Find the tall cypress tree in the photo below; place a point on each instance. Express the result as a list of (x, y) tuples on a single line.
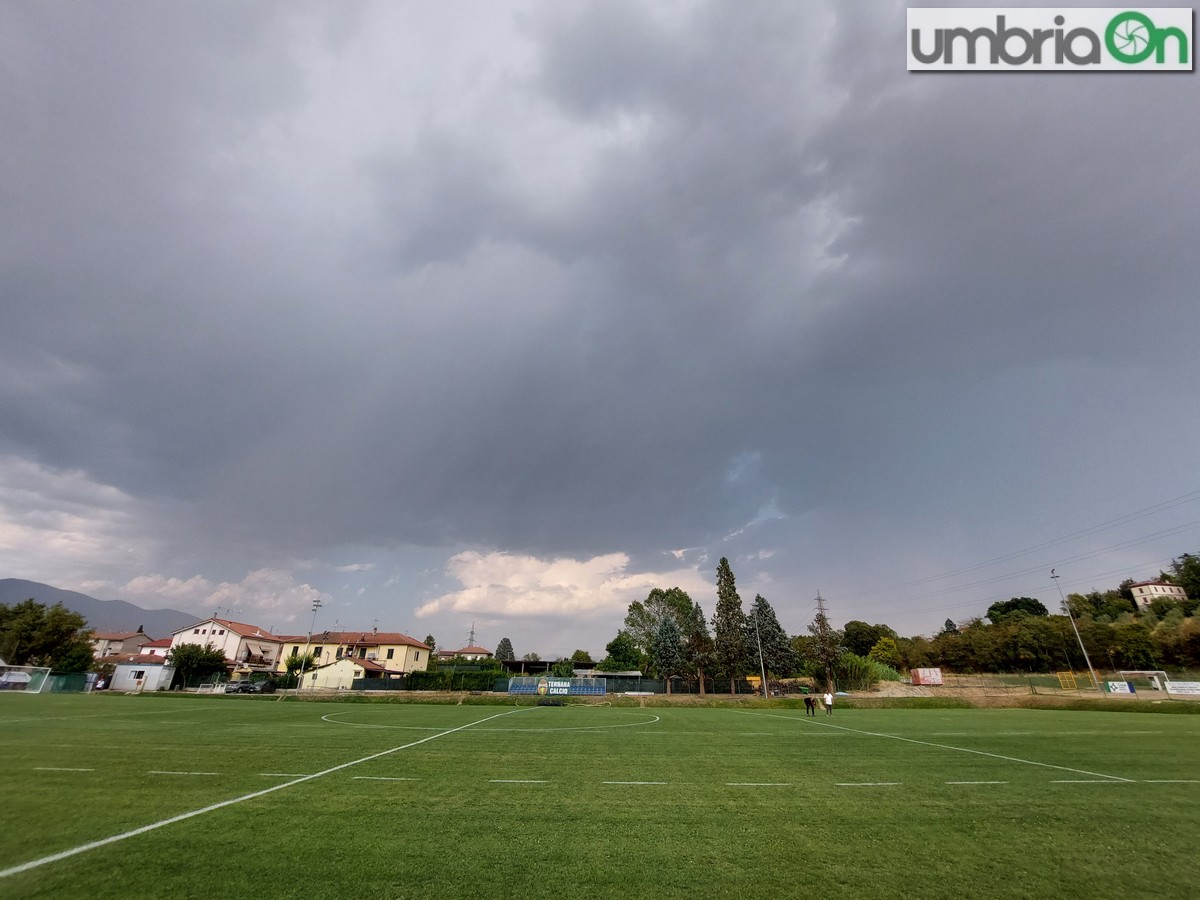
[(729, 627), (779, 658)]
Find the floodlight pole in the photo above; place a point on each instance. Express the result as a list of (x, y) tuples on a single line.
[(1075, 628), (316, 604), (761, 663)]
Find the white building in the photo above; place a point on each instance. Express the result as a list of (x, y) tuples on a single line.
[(1146, 592), (142, 673), (247, 647)]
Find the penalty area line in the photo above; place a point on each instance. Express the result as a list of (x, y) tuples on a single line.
[(183, 817)]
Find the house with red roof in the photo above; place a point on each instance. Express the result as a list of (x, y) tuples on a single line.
[(396, 652), (246, 647)]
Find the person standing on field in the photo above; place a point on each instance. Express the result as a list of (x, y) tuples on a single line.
[(828, 703)]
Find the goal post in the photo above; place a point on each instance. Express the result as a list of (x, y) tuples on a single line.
[(26, 679)]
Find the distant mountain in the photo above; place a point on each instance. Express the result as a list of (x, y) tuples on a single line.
[(101, 615)]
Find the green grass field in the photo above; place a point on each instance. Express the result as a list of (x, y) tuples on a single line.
[(406, 800)]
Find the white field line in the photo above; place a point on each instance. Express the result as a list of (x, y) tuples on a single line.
[(634, 782), (59, 769), (758, 784), (517, 780), (1089, 781), (896, 737), (1169, 781), (107, 715), (867, 783), (652, 720), (160, 772), (976, 782), (382, 778), (104, 842)]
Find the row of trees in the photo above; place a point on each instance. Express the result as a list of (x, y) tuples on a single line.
[(668, 635)]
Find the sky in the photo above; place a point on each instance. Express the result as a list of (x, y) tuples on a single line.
[(490, 317)]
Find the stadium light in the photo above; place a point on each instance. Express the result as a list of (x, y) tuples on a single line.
[(316, 604), (762, 665), (1075, 628)]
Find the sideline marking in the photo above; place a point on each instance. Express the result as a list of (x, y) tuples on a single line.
[(59, 769), (634, 782), (1168, 781), (976, 782), (516, 781), (104, 842), (158, 772), (382, 778), (758, 784), (650, 721), (1089, 781), (896, 737), (867, 783)]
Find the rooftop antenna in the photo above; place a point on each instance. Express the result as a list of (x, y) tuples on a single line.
[(471, 637)]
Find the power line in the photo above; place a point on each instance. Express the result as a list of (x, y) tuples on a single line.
[(1182, 499)]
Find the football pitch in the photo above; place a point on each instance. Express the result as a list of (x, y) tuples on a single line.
[(109, 796)]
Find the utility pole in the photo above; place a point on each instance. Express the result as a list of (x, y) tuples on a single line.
[(1075, 628)]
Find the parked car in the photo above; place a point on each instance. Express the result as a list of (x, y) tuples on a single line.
[(250, 687)]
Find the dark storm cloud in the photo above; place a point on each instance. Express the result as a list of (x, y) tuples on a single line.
[(638, 276)]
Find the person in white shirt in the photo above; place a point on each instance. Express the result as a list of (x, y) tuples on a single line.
[(828, 703)]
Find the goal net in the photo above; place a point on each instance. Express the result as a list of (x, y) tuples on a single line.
[(29, 679)]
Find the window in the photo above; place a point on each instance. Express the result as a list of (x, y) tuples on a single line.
[(391, 652), (222, 631), (362, 652), (339, 653), (296, 650), (417, 656), (316, 652), (139, 674), (195, 631)]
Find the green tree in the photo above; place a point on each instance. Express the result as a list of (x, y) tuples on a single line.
[(196, 662), (778, 657), (667, 650), (948, 627), (297, 662), (32, 634), (731, 651), (644, 616), (623, 655), (859, 637), (531, 657), (826, 646), (581, 656), (431, 644), (504, 650), (886, 652), (1132, 647), (563, 668), (1003, 610), (697, 645), (1185, 572)]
